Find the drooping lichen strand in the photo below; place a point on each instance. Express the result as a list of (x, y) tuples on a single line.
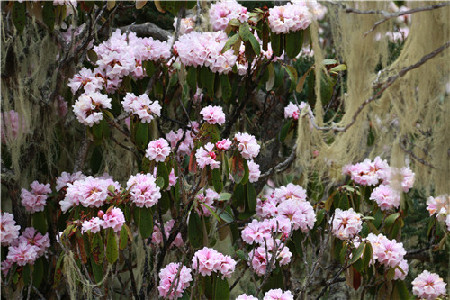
[(410, 115)]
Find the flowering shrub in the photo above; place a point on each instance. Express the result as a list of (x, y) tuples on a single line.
[(196, 212)]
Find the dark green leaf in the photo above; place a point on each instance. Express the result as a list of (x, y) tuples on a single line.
[(207, 79), (226, 217), (97, 269), (112, 250), (26, 274), (38, 271), (293, 75), (391, 219), (222, 289), (150, 68), (251, 197), (285, 130), (357, 253), (195, 230), (96, 159), (143, 216), (97, 248), (255, 45), (294, 41), (48, 15), (231, 41), (225, 87), (18, 16), (368, 252), (217, 179), (160, 182), (142, 135), (277, 45), (163, 173), (191, 78), (123, 242), (244, 32), (39, 222)]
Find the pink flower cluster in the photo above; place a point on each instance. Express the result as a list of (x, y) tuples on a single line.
[(143, 190), (367, 173), (114, 219), (293, 111), (157, 237), (263, 231), (141, 106), (67, 178), (316, 9), (346, 224), (223, 11), (89, 192), (12, 126), (26, 249), (9, 231), (209, 260), (35, 200), (158, 150), (171, 280), (86, 79), (186, 138), (223, 145), (428, 286), (260, 256), (247, 145), (300, 213), (186, 25), (213, 114), (246, 297), (386, 197), (88, 108), (205, 200), (203, 49), (440, 206), (253, 171), (289, 18), (206, 156), (278, 294)]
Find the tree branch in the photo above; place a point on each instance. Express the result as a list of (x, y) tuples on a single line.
[(148, 30)]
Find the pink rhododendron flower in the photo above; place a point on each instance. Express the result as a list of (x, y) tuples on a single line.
[(223, 11), (213, 114), (93, 225), (300, 213), (35, 200), (346, 224), (158, 150), (247, 145), (246, 297), (86, 79), (290, 191), (143, 190), (141, 106), (6, 266), (266, 207), (289, 18), (428, 285), (206, 199), (88, 108), (278, 294), (66, 178), (114, 219), (9, 231), (401, 274), (293, 111), (209, 260), (89, 192), (171, 280), (206, 156), (253, 171), (367, 173), (390, 253), (34, 238), (386, 197), (186, 25), (22, 254), (223, 144)]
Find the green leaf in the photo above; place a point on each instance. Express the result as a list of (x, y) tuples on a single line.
[(97, 270), (142, 135), (97, 248), (251, 197), (402, 290), (241, 254), (195, 230), (244, 32), (225, 87), (222, 289), (48, 15), (239, 195), (39, 222), (357, 253), (123, 242), (160, 182), (338, 68), (18, 16), (293, 75), (231, 41), (96, 159), (143, 216), (343, 251), (238, 169), (368, 253), (320, 216), (255, 45), (277, 45), (329, 61), (294, 41), (150, 68), (391, 219), (163, 173), (112, 250), (207, 80), (26, 274), (226, 217), (211, 132), (191, 78), (217, 179), (38, 271), (285, 130), (224, 197)]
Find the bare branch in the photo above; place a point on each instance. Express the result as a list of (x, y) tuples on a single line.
[(148, 30)]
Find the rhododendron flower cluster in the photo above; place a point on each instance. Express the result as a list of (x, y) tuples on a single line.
[(26, 249), (67, 178), (346, 224), (428, 285), (206, 156), (278, 294), (247, 145), (258, 257), (205, 200), (186, 25), (367, 173), (316, 9), (157, 237), (143, 190), (35, 200), (262, 231), (9, 231), (213, 114), (440, 206), (209, 260), (141, 106), (253, 171), (114, 219), (246, 297), (223, 11), (223, 144), (386, 197), (292, 111), (89, 192), (203, 49), (173, 283), (289, 18), (93, 225), (86, 79), (88, 108), (158, 150), (300, 213)]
